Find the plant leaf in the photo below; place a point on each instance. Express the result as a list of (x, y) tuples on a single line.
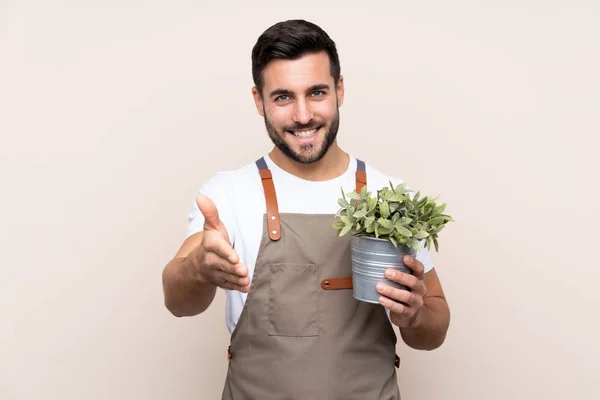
[(403, 231), (440, 209), (364, 194), (401, 188), (343, 203), (346, 220), (384, 231), (428, 242), (360, 213), (421, 235), (397, 198), (345, 230), (372, 203), (436, 230), (447, 218), (436, 221), (386, 223), (338, 225), (384, 209), (353, 196), (351, 210)]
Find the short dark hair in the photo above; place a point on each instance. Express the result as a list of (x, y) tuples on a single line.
[(291, 40)]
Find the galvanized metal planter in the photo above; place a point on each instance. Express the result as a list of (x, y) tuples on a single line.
[(370, 258)]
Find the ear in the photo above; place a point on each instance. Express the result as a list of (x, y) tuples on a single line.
[(258, 101), (340, 91)]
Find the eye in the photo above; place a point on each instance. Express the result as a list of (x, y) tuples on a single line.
[(317, 93), (283, 97)]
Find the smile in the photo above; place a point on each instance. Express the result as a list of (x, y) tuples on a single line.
[(305, 134)]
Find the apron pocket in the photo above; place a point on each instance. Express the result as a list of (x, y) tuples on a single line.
[(293, 300)]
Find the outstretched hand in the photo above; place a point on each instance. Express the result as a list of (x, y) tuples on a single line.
[(216, 261)]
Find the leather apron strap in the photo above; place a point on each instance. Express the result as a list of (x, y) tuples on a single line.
[(271, 199)]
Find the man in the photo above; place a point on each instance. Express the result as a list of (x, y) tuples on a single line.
[(263, 233)]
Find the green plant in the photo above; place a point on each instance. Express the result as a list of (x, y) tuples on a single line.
[(392, 214)]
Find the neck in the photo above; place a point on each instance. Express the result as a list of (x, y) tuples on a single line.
[(333, 164)]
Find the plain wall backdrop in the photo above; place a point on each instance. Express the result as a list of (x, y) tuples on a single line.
[(113, 113)]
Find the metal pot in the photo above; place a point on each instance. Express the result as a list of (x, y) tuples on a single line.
[(370, 258)]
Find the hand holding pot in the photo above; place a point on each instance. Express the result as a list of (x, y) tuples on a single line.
[(404, 305)]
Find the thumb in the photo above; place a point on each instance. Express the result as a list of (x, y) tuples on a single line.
[(209, 211)]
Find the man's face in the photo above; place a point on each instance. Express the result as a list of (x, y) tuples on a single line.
[(300, 103)]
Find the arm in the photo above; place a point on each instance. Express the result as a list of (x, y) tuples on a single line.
[(421, 313)]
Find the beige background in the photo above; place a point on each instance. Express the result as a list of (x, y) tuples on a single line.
[(113, 113)]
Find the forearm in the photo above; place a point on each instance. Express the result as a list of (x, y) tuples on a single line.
[(184, 294), (430, 326)]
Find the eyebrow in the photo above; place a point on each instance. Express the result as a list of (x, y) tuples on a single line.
[(281, 92)]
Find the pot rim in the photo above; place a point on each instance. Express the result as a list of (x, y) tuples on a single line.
[(372, 238), (407, 249)]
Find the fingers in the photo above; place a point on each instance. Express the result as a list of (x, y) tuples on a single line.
[(414, 284), (219, 246), (231, 286), (231, 282), (218, 257), (209, 211), (415, 265), (219, 263), (399, 295), (401, 315), (217, 271), (395, 307), (216, 263), (403, 304)]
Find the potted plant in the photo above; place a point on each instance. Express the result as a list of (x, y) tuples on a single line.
[(386, 227)]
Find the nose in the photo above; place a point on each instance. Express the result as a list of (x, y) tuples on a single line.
[(302, 112)]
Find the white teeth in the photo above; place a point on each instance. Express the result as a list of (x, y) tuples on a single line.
[(305, 134)]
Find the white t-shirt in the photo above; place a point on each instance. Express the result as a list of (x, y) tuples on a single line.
[(240, 201)]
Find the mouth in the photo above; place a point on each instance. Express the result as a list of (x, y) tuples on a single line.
[(306, 135)]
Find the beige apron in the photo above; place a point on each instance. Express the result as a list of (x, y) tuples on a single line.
[(301, 334)]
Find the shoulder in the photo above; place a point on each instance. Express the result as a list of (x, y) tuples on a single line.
[(225, 180), (376, 178), (223, 188)]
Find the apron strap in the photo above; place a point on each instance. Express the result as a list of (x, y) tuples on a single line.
[(361, 175), (271, 196), (271, 199), (337, 283)]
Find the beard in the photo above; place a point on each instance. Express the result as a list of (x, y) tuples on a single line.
[(308, 153)]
